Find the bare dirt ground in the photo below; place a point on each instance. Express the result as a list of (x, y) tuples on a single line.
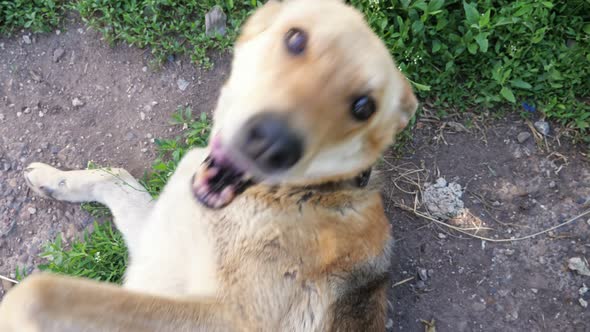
[(68, 99)]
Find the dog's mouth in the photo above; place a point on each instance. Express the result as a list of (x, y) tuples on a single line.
[(219, 180)]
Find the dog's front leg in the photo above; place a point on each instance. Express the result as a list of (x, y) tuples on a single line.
[(55, 303)]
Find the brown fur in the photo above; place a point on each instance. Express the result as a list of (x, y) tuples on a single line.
[(307, 251)]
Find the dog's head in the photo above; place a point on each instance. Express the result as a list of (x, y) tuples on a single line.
[(313, 96)]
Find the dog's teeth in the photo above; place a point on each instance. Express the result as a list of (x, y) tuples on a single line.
[(211, 172), (227, 194), (203, 190)]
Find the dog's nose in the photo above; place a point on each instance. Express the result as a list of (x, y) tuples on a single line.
[(271, 143)]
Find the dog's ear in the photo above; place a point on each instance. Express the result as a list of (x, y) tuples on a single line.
[(260, 20)]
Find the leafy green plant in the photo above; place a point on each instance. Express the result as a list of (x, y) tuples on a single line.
[(20, 273), (166, 27), (171, 151), (492, 53), (36, 15), (102, 255)]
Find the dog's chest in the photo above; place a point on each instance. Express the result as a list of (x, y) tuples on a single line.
[(183, 252), (177, 255)]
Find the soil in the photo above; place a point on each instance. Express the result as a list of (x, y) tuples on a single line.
[(103, 104)]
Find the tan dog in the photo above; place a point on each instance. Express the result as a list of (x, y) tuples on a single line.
[(271, 228)]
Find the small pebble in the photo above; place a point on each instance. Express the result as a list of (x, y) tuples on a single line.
[(422, 274), (552, 184), (58, 54), (32, 210), (479, 306), (583, 290), (542, 127), (26, 39), (523, 137), (142, 116), (583, 303), (76, 102), (182, 84), (389, 324), (441, 236)]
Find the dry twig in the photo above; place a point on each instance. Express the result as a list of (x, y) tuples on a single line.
[(8, 279)]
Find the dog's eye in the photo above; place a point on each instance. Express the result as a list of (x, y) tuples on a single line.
[(363, 108), (296, 41)]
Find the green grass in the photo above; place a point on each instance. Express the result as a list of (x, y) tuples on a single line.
[(166, 27), (35, 15), (171, 151), (101, 255)]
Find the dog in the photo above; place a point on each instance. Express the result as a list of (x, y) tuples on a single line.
[(272, 227)]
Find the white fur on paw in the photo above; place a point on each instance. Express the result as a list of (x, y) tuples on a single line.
[(44, 179)]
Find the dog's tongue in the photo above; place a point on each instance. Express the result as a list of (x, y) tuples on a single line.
[(218, 181)]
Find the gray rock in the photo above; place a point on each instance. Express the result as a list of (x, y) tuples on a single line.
[(2, 117), (523, 137), (58, 54), (32, 210), (542, 127), (579, 265), (215, 22), (6, 226), (443, 199), (182, 84), (26, 39), (478, 306), (420, 284), (130, 136)]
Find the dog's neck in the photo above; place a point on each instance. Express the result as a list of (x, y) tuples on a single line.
[(359, 181)]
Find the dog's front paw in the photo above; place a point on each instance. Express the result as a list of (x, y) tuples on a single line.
[(44, 179)]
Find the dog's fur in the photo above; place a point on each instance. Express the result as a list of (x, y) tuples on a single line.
[(307, 250)]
